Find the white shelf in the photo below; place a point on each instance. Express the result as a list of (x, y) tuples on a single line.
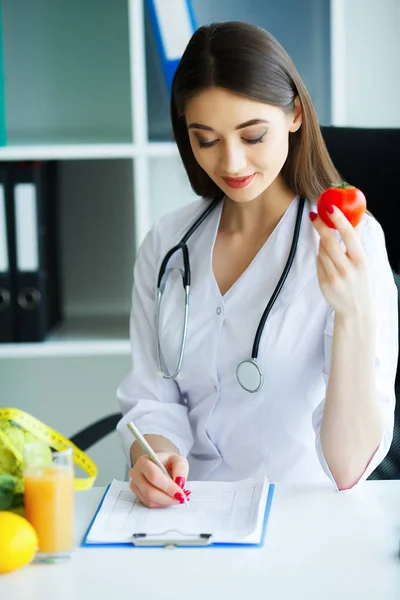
[(66, 151), (83, 336), (67, 72), (86, 151)]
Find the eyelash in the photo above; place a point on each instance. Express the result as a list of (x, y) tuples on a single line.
[(258, 140)]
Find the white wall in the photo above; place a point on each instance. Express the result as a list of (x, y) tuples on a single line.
[(68, 394), (366, 62)]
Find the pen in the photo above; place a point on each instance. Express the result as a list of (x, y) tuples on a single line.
[(145, 446)]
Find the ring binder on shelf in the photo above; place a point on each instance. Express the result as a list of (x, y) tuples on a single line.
[(173, 24), (7, 260), (38, 300), (162, 539)]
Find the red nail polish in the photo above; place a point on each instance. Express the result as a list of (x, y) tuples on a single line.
[(180, 481), (329, 209), (313, 216), (187, 492), (179, 496)]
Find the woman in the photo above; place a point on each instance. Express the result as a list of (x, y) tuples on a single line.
[(317, 400)]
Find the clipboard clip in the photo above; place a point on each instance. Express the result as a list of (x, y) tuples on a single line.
[(171, 538)]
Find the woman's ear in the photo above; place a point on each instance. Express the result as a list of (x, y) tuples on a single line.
[(296, 117)]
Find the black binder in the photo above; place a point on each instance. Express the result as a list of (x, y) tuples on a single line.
[(7, 258), (37, 269)]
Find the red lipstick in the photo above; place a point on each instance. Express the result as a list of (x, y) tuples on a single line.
[(238, 182)]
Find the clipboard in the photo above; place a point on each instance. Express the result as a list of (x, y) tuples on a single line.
[(169, 539)]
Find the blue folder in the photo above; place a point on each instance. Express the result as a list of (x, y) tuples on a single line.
[(271, 489), (173, 24)]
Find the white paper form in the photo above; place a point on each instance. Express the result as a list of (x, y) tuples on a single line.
[(233, 512)]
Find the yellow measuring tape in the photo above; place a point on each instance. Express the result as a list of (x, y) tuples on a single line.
[(51, 437)]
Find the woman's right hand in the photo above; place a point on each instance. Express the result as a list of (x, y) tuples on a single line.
[(153, 487)]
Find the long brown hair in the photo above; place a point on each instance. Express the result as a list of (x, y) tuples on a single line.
[(249, 61)]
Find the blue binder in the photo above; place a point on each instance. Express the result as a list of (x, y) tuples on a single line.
[(201, 540), (173, 24)]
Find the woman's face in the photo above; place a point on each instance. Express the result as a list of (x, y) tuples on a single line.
[(241, 144)]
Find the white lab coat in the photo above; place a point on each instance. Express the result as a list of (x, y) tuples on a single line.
[(226, 432)]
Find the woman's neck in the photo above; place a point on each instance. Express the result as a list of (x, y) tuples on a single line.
[(259, 215)]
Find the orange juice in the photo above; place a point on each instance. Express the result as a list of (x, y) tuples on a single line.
[(49, 506)]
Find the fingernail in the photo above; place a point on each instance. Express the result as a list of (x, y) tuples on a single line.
[(187, 492), (180, 497), (313, 216), (180, 481), (330, 208)]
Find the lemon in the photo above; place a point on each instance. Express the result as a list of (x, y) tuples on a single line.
[(18, 541)]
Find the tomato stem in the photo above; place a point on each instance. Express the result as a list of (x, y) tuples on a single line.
[(342, 185)]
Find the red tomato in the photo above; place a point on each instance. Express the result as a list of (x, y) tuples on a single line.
[(348, 198)]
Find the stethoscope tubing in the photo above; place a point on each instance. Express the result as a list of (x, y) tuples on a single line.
[(186, 279)]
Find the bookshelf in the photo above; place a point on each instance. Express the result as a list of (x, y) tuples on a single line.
[(97, 103), (84, 86), (88, 109), (77, 336)]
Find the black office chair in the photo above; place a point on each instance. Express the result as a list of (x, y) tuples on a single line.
[(95, 432), (390, 466), (370, 160)]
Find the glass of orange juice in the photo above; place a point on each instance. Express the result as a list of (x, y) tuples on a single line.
[(49, 500)]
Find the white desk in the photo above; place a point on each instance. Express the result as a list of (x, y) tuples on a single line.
[(320, 545)]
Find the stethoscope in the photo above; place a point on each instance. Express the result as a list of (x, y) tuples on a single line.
[(248, 372)]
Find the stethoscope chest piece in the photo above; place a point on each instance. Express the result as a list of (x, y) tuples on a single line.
[(250, 375), (248, 372)]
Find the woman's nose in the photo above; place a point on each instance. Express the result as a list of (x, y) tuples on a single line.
[(233, 159)]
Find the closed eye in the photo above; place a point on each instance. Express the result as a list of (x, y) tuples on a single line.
[(258, 140), (207, 144)]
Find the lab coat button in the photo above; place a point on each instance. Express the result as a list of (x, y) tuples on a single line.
[(218, 310)]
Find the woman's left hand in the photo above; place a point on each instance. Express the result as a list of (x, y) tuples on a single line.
[(343, 274)]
